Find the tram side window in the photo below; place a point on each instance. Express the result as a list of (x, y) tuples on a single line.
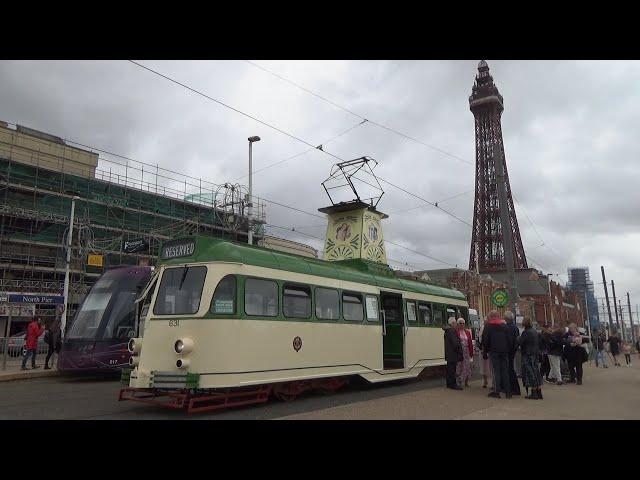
[(424, 313), (411, 311), (261, 297), (224, 298), (180, 291), (352, 306), (438, 315), (327, 304), (372, 308), (296, 301)]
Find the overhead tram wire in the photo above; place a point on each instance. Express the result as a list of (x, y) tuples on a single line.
[(309, 144), (444, 152), (262, 122), (285, 133), (372, 122), (319, 147)]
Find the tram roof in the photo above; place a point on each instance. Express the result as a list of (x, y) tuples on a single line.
[(209, 249)]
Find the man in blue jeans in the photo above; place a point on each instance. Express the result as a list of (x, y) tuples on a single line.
[(496, 342), (600, 351)]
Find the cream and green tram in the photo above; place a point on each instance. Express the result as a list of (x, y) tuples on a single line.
[(225, 315)]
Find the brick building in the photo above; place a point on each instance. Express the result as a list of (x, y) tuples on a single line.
[(545, 302)]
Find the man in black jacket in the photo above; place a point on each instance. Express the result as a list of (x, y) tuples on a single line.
[(496, 343), (452, 353), (515, 333)]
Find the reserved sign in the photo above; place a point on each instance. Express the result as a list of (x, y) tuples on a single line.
[(178, 248)]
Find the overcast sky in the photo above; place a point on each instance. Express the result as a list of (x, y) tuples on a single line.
[(570, 132)]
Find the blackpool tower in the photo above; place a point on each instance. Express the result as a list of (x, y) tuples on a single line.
[(488, 238)]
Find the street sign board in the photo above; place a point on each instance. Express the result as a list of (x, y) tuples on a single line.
[(95, 260), (500, 298), (41, 299)]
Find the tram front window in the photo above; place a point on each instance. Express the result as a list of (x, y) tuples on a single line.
[(87, 321), (122, 317)]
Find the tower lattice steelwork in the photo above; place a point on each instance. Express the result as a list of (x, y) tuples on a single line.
[(486, 104)]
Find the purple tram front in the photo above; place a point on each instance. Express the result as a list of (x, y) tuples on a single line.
[(97, 339)]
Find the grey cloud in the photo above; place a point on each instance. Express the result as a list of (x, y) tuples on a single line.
[(570, 133)]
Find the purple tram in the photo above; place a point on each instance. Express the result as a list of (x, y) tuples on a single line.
[(108, 317)]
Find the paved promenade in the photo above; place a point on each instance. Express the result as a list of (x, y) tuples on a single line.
[(612, 393)]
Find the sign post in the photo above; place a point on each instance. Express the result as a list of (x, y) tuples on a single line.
[(500, 298)]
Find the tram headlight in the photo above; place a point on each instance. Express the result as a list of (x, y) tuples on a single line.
[(183, 346), (134, 361), (134, 346), (182, 363)]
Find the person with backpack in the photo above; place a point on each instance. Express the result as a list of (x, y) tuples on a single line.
[(34, 330)]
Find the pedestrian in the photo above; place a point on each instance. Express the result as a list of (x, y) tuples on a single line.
[(515, 333), (575, 354), (485, 364), (34, 330), (545, 339), (626, 349), (51, 337), (529, 343), (496, 342), (463, 369), (600, 350), (614, 347), (555, 355), (452, 352)]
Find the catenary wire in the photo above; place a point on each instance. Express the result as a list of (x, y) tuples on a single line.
[(309, 144)]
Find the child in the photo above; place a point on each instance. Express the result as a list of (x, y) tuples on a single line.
[(626, 348)]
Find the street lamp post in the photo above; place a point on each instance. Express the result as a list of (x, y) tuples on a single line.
[(550, 300), (250, 219), (63, 317)]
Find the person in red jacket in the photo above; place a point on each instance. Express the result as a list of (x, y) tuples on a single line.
[(34, 330)]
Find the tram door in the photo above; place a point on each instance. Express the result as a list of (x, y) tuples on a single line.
[(392, 330)]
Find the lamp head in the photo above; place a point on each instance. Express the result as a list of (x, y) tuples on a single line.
[(254, 139)]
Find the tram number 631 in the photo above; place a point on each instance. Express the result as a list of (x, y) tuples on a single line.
[(174, 323)]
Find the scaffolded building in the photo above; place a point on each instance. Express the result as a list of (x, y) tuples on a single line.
[(580, 282), (124, 209)]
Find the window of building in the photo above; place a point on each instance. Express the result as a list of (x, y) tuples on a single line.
[(372, 308), (180, 291), (424, 313), (327, 304), (224, 297), (352, 306), (261, 297), (296, 301), (411, 311)]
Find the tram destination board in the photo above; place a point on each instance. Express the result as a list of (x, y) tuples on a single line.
[(178, 248)]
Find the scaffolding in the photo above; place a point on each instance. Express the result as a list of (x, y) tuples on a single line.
[(118, 202), (580, 282)]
